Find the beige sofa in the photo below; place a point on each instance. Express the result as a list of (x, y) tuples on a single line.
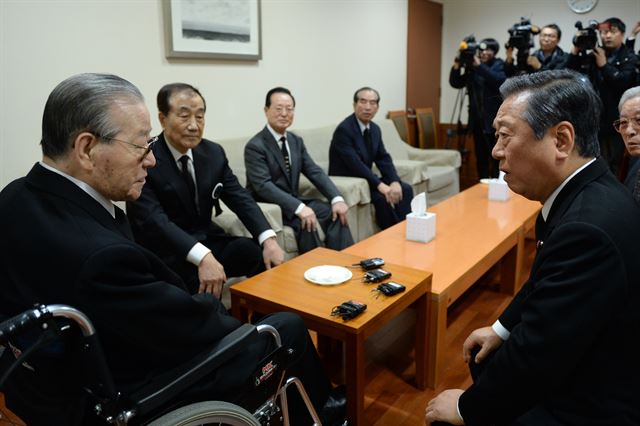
[(433, 171)]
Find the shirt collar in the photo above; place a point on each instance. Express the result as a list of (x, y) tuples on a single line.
[(362, 125), (546, 207), (177, 154), (104, 202), (275, 134)]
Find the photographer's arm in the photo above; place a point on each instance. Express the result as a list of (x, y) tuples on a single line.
[(509, 65), (456, 79), (494, 75)]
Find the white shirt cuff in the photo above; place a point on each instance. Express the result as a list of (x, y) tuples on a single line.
[(196, 253), (299, 209), (499, 329), (265, 235), (337, 199), (458, 410)]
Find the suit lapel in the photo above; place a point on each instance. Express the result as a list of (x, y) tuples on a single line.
[(570, 191), (167, 171), (52, 182), (295, 158)]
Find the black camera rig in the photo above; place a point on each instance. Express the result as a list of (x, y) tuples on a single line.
[(468, 49), (587, 37), (521, 37)]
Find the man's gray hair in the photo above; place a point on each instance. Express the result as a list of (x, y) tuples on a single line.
[(559, 95), (629, 94), (82, 103)]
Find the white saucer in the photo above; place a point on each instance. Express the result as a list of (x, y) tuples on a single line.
[(485, 181), (328, 275)]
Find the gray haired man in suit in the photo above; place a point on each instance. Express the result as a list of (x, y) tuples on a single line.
[(274, 159)]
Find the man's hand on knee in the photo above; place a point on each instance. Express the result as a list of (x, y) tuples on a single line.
[(211, 276), (272, 254), (308, 219), (486, 339), (339, 210)]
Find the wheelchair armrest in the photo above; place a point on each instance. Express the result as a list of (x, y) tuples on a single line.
[(168, 385)]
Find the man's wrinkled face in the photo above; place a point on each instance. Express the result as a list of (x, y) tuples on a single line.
[(629, 125), (526, 161), (280, 113), (367, 106), (184, 124), (120, 168)]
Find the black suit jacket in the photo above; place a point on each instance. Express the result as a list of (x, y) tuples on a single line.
[(574, 325), (61, 246), (350, 156), (165, 220), (268, 180)]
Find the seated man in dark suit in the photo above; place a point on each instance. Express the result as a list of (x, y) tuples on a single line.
[(356, 146), (565, 351), (275, 159), (628, 125), (172, 217), (64, 241)]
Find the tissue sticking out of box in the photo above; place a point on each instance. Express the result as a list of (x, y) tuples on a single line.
[(419, 204), (501, 176), (498, 189), (421, 226)]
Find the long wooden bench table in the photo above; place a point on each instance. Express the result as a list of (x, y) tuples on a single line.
[(472, 235)]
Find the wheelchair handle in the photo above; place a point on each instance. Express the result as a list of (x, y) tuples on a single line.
[(37, 316)]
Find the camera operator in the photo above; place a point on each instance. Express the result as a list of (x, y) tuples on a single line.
[(482, 78), (549, 57), (611, 70)]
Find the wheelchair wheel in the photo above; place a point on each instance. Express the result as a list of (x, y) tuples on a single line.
[(207, 413)]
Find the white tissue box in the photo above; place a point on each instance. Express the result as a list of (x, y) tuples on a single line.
[(422, 227), (498, 190)]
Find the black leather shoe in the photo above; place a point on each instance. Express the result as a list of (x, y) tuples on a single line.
[(335, 409)]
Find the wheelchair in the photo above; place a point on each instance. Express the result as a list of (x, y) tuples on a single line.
[(155, 404)]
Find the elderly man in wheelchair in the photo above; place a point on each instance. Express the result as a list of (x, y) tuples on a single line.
[(166, 400), (144, 346)]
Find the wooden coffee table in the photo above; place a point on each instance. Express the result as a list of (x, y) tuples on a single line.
[(472, 235), (283, 288)]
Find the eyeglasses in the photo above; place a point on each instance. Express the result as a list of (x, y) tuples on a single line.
[(621, 124), (146, 147)]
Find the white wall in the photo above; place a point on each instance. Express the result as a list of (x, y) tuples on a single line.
[(321, 49), (492, 18)]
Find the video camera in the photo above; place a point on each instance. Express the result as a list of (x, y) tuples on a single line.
[(586, 38), (520, 35), (468, 49)]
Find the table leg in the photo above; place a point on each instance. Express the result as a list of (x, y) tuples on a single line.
[(436, 337), (354, 374), (238, 311), (511, 265), (422, 338)]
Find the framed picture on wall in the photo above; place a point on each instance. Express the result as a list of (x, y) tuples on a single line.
[(218, 29)]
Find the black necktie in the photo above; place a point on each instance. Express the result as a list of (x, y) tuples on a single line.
[(188, 179), (122, 223), (540, 228), (285, 154), (367, 139), (636, 187)]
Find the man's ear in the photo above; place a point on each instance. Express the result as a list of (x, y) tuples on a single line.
[(564, 135), (82, 148)]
